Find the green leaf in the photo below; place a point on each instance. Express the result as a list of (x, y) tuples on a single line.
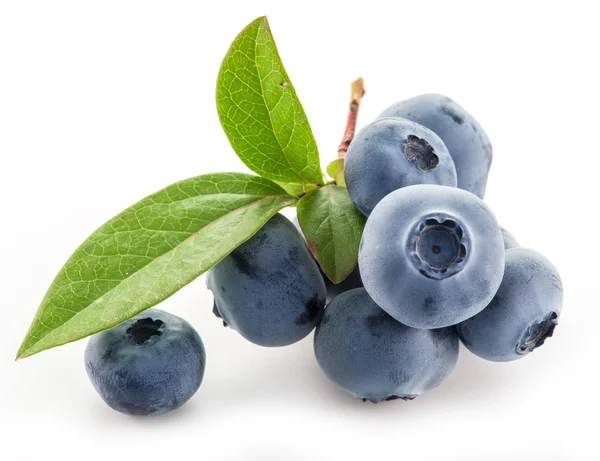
[(336, 170), (297, 189), (260, 112), (333, 227), (149, 251)]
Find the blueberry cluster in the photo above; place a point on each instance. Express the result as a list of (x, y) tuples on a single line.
[(434, 267)]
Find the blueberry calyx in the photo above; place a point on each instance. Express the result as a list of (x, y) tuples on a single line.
[(392, 397), (537, 333), (420, 151), (438, 246), (401, 397), (143, 329)]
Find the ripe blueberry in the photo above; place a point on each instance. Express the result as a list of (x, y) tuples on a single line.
[(148, 365), (392, 153), (431, 256), (523, 313), (269, 289), (465, 139), (372, 356)]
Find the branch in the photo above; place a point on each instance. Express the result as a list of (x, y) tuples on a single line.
[(358, 91)]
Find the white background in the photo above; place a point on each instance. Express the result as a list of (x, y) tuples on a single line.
[(103, 103)]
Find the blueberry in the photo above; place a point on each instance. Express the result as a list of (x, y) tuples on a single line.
[(465, 139), (269, 289), (148, 365), (523, 313), (431, 256), (509, 240), (392, 153), (372, 356)]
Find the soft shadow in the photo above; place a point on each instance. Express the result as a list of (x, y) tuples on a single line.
[(296, 376)]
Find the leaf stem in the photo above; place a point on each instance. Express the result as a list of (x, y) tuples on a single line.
[(358, 91)]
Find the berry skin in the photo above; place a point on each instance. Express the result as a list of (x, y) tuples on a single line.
[(148, 365), (269, 289), (431, 256), (523, 313), (465, 139), (367, 353), (392, 153), (509, 240)]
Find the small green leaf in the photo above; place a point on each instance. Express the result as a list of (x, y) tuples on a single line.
[(261, 113), (333, 227), (336, 171), (149, 251)]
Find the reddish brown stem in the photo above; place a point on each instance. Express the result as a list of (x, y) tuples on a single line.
[(358, 91)]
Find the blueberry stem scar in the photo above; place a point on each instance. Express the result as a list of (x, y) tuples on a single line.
[(143, 329), (436, 249), (421, 152), (537, 334), (438, 246)]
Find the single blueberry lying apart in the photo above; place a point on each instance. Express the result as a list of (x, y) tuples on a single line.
[(148, 365), (509, 240), (372, 356), (392, 153), (464, 137), (431, 256), (523, 313), (269, 289)]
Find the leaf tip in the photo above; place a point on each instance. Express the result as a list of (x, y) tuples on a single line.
[(21, 354), (339, 276), (263, 23), (262, 20)]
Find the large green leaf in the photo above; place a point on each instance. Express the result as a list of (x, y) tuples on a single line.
[(333, 227), (261, 113), (149, 251)]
